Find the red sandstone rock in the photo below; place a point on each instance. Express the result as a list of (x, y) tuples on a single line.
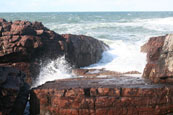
[(22, 28), (159, 59), (94, 97)]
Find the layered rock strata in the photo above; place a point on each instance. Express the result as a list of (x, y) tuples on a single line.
[(118, 96)]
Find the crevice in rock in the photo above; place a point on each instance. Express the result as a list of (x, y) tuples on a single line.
[(120, 92), (64, 93), (21, 101), (87, 92)]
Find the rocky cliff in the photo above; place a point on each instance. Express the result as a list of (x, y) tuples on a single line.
[(159, 66), (23, 44)]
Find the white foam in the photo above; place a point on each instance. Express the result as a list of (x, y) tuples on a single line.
[(55, 69), (122, 57), (156, 24)]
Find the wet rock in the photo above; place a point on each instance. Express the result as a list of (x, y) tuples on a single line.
[(96, 73), (83, 50), (13, 91), (23, 44), (101, 97), (159, 59), (132, 72)]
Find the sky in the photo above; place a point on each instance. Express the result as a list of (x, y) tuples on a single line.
[(84, 5)]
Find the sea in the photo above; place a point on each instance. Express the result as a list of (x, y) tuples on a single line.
[(124, 32)]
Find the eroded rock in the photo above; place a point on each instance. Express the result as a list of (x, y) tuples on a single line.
[(127, 95), (159, 66)]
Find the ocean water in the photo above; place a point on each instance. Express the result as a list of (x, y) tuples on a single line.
[(124, 32)]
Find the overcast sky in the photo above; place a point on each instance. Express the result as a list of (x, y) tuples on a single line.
[(84, 5)]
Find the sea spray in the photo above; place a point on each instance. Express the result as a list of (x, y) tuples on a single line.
[(53, 70), (122, 57)]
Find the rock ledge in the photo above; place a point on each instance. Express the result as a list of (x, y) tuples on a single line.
[(121, 95)]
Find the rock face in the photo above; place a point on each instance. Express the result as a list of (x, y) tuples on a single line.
[(119, 96), (159, 66), (13, 91), (25, 41), (83, 50), (23, 44)]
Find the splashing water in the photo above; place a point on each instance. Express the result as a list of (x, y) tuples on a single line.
[(53, 70), (122, 57)]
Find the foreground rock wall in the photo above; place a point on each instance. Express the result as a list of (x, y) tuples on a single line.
[(159, 66), (95, 97)]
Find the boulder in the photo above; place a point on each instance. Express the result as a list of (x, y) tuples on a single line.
[(102, 96), (14, 91), (159, 66), (83, 50)]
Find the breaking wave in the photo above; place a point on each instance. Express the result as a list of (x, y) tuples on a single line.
[(53, 70)]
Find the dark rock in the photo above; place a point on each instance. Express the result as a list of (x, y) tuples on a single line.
[(127, 95), (13, 91), (39, 26), (83, 50), (30, 69), (6, 26), (159, 59), (2, 20)]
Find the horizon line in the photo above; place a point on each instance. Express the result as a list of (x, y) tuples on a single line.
[(77, 11)]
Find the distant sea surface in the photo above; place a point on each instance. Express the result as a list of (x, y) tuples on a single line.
[(124, 32)]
